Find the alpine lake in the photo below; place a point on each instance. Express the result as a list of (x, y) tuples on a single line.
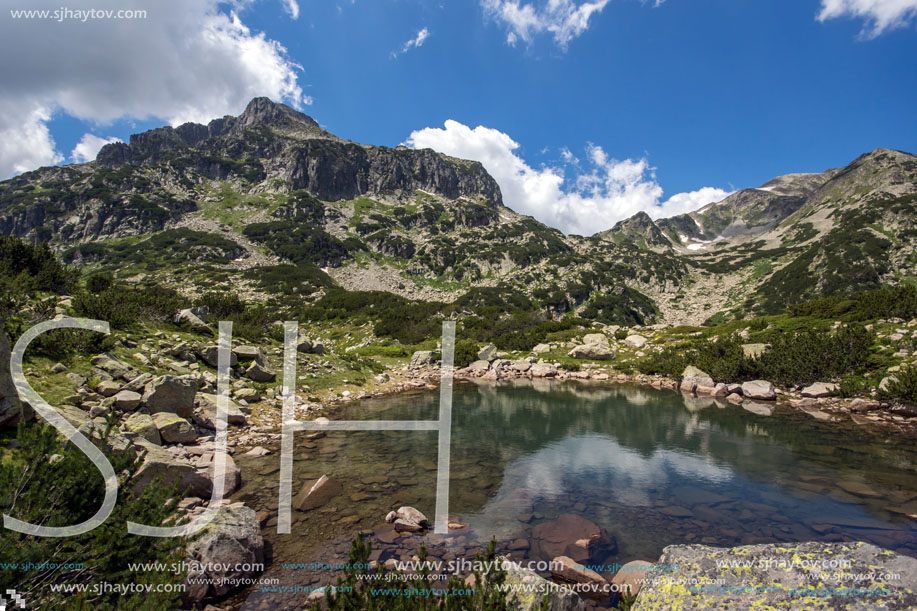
[(652, 467)]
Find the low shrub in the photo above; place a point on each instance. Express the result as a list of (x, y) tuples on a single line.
[(68, 491), (794, 358), (903, 387), (466, 352)]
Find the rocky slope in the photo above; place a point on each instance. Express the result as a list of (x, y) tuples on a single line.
[(269, 204), (796, 237)]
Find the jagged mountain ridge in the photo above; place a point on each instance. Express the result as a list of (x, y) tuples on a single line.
[(226, 205), (204, 207)]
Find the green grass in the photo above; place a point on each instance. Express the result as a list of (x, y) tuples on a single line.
[(234, 209)]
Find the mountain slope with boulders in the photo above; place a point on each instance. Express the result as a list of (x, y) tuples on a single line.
[(271, 206)]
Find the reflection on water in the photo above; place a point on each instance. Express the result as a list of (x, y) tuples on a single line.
[(652, 467)]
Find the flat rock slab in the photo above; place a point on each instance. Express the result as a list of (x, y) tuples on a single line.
[(859, 489), (794, 576)]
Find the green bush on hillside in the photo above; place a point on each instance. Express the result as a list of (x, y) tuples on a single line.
[(800, 357), (903, 387), (466, 352), (49, 483), (886, 302)]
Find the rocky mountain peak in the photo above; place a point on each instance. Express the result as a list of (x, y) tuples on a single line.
[(263, 112)]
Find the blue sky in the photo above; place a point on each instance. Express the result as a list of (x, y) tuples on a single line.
[(613, 111)]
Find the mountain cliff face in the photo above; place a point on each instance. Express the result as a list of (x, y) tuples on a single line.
[(269, 203)]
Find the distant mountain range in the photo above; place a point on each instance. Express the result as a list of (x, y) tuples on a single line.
[(269, 204)]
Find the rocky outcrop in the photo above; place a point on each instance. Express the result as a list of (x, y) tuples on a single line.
[(794, 576)]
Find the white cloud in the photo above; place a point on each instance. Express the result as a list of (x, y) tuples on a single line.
[(292, 8), (188, 60), (88, 147), (601, 192), (25, 141), (880, 15), (417, 41), (564, 19)]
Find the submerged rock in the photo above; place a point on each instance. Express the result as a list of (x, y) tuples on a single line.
[(317, 494), (573, 536)]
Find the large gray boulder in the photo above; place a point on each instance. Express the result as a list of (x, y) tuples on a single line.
[(315, 494), (126, 400), (248, 353), (635, 341), (259, 373), (170, 393), (478, 368), (421, 358), (796, 576), (595, 346), (195, 319), (233, 475), (487, 353), (692, 378), (110, 365), (819, 390), (224, 553), (160, 462), (543, 370), (211, 356), (759, 390), (206, 413), (173, 428), (141, 426)]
